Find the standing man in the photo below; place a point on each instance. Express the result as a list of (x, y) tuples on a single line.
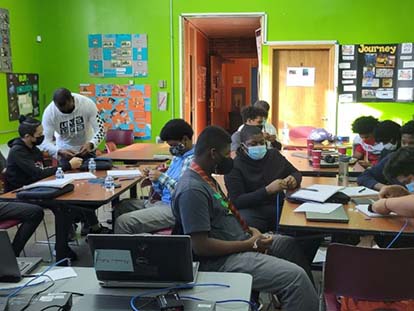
[(74, 121)]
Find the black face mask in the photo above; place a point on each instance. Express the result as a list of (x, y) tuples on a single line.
[(39, 140), (225, 166), (260, 127), (68, 111), (177, 150)]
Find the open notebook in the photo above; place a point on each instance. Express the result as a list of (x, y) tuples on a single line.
[(316, 193)]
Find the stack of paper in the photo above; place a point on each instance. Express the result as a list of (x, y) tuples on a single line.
[(124, 173), (79, 176), (316, 192), (354, 192), (162, 156), (324, 208), (54, 183)]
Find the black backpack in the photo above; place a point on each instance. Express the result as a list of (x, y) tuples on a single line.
[(44, 192), (102, 164)]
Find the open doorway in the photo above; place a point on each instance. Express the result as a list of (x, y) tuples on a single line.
[(219, 68)]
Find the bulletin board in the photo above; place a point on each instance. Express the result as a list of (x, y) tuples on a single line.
[(376, 73), (5, 50), (118, 55), (22, 94), (124, 107)]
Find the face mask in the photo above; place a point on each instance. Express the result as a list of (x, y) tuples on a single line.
[(410, 187), (260, 127), (390, 147), (69, 111), (225, 166), (177, 150), (39, 140), (256, 152)]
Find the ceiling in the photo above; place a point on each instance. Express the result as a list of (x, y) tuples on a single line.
[(226, 27)]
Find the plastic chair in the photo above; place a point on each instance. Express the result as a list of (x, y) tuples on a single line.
[(367, 274), (110, 146), (299, 132), (120, 137)]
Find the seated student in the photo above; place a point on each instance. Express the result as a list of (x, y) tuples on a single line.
[(269, 131), (30, 216), (365, 148), (143, 216), (373, 177), (388, 133), (221, 239), (25, 166), (250, 116), (258, 178), (396, 198)]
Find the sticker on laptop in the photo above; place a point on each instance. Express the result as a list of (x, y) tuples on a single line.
[(118, 260)]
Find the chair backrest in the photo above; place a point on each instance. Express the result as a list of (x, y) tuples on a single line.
[(300, 132), (6, 224), (368, 274), (110, 146), (120, 137)]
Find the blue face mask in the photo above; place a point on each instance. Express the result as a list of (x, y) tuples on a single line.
[(410, 187), (257, 152)]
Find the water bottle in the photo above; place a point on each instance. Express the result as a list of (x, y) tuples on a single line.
[(109, 183), (285, 134), (343, 170), (59, 173), (92, 166)]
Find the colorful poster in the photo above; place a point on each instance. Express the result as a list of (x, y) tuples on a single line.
[(22, 94), (5, 50), (122, 107), (118, 55)]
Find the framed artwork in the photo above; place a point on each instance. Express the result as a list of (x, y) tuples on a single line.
[(238, 98)]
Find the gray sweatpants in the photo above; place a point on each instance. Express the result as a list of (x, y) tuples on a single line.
[(139, 216), (280, 272)]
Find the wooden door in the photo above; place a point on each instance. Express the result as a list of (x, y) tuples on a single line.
[(303, 105), (217, 108)]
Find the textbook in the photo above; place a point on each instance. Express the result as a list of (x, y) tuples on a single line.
[(124, 173), (53, 183)]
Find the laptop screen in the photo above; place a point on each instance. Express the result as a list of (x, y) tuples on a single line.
[(142, 258)]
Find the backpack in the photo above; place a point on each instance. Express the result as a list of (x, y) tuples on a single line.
[(102, 164), (44, 192)]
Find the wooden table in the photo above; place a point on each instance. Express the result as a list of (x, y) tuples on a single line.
[(307, 169), (358, 222), (85, 195), (141, 152), (301, 143)]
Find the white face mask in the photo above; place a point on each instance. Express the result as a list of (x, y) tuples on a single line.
[(390, 147)]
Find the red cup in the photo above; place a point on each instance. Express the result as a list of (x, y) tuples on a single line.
[(316, 158), (342, 150), (310, 144)]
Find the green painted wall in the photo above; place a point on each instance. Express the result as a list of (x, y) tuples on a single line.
[(24, 26), (61, 58)]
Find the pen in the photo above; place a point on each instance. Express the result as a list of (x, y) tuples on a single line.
[(126, 178), (309, 189), (363, 189)]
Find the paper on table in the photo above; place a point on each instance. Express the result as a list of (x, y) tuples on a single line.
[(77, 176), (363, 208), (124, 173), (56, 274), (324, 208), (359, 192), (55, 183)]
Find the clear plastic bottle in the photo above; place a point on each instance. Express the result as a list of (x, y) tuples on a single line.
[(92, 166), (343, 173), (59, 173), (285, 134), (109, 183)]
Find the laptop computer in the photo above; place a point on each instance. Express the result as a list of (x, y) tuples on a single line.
[(338, 215), (12, 268), (142, 260)]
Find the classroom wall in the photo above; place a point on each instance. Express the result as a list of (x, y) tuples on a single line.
[(61, 58)]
